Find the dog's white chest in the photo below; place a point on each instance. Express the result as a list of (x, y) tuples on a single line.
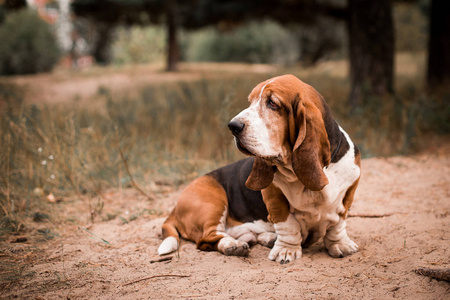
[(317, 211)]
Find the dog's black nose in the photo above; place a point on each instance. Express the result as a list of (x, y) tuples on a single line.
[(236, 127)]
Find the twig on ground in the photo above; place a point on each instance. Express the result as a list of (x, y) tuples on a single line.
[(439, 274), (154, 276), (369, 215), (20, 240), (94, 235), (133, 183), (161, 259)]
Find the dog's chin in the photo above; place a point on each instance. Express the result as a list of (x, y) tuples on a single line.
[(270, 160), (241, 147)]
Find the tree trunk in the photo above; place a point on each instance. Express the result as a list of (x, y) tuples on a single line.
[(102, 46), (371, 43), (172, 38), (9, 6), (439, 44), (14, 4)]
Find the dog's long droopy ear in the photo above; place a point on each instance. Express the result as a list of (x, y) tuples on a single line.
[(309, 153), (261, 175)]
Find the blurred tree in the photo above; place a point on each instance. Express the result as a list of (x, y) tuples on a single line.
[(27, 45), (112, 12), (370, 27), (13, 4), (102, 43), (411, 26), (439, 44), (173, 55), (192, 14), (371, 45), (10, 5), (326, 38), (265, 42)]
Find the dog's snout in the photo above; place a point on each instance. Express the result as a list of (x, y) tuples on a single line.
[(236, 127)]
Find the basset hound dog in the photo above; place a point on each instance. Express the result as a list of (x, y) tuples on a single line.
[(294, 190)]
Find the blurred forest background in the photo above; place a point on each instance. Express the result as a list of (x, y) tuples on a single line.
[(176, 73)]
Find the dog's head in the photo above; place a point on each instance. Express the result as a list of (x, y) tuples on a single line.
[(284, 126)]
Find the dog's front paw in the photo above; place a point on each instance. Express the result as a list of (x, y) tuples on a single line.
[(288, 244), (231, 246), (285, 254), (342, 248)]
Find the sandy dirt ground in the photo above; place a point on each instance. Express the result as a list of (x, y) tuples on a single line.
[(401, 221)]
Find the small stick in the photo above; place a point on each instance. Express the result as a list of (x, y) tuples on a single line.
[(125, 163), (161, 259), (439, 274), (154, 276), (94, 235), (368, 215)]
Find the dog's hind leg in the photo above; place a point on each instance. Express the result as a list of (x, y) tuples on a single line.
[(170, 235), (200, 216), (230, 246), (216, 238)]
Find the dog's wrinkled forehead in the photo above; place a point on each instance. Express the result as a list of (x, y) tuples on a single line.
[(284, 87)]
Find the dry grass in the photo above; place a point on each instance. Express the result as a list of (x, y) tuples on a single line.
[(15, 262), (75, 150), (175, 130)]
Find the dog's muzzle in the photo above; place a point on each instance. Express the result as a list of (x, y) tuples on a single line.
[(236, 127)]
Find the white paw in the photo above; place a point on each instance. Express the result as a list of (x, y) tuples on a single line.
[(169, 245), (284, 254), (231, 246), (342, 248), (248, 238), (288, 244)]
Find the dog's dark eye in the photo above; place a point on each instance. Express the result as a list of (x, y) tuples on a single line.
[(272, 105)]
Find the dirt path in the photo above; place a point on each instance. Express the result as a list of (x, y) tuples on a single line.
[(411, 196), (63, 86)]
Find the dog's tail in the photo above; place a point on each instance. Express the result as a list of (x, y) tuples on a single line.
[(170, 235)]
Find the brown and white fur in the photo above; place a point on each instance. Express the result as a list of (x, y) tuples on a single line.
[(305, 166)]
